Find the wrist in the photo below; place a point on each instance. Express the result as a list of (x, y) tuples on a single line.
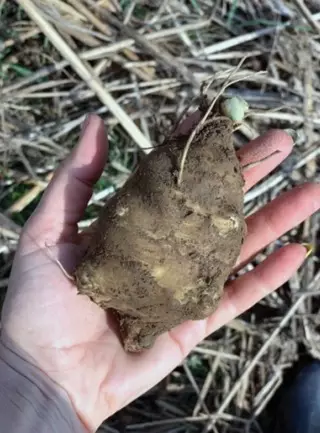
[(29, 398)]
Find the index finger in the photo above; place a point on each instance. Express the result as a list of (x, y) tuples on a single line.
[(256, 150)]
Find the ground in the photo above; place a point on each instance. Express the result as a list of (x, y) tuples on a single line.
[(168, 49)]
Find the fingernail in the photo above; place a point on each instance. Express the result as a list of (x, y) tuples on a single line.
[(85, 125), (293, 134), (309, 248)]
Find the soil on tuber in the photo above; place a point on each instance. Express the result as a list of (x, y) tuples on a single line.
[(161, 251)]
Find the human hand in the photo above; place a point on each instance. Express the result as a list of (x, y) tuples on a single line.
[(71, 339)]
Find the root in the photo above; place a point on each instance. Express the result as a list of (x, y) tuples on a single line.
[(206, 115), (66, 274), (55, 260)]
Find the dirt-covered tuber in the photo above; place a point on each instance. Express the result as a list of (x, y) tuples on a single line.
[(161, 251)]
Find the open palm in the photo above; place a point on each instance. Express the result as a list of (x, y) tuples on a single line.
[(70, 338)]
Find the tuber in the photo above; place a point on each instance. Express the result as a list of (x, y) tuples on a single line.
[(161, 251)]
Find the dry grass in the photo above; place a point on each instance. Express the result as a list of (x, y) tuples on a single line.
[(145, 62)]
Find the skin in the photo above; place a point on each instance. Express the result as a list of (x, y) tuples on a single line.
[(71, 339)]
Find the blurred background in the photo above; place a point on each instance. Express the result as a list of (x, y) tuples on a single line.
[(147, 60)]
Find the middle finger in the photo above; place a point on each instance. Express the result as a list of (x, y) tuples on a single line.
[(260, 148), (278, 217)]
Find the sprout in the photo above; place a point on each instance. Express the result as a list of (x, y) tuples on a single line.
[(235, 108)]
